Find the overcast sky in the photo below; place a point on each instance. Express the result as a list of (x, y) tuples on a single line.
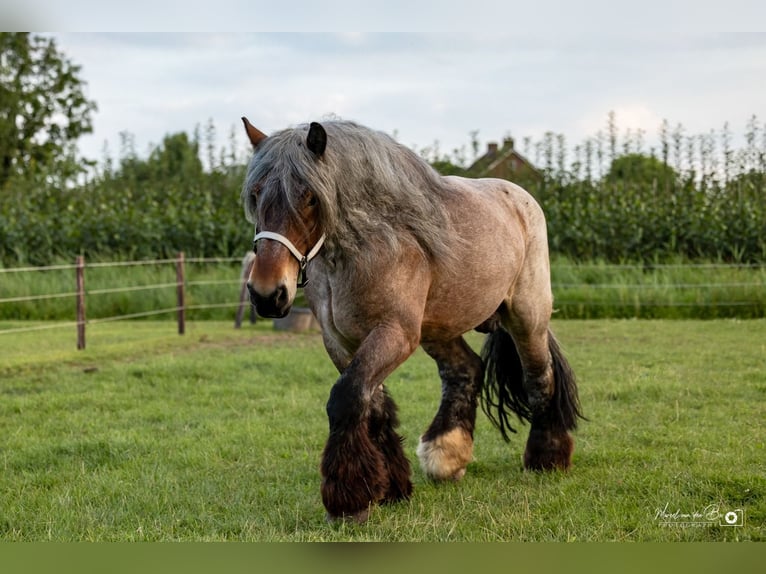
[(424, 87)]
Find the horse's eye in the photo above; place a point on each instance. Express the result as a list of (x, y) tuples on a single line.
[(312, 200)]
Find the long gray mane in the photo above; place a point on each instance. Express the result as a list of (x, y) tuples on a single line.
[(373, 193)]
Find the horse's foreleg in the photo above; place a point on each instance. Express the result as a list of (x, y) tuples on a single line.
[(382, 425), (363, 462), (446, 448)]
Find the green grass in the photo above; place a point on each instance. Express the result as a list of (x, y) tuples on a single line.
[(217, 435)]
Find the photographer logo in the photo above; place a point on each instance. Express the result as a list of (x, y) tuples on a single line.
[(734, 517), (711, 515)]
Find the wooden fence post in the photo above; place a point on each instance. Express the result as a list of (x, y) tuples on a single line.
[(180, 292), (244, 299), (80, 280)]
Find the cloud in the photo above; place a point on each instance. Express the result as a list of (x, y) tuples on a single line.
[(424, 87)]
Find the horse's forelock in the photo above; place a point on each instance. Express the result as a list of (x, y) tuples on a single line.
[(272, 170)]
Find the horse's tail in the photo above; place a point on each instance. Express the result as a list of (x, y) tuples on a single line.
[(565, 403), (503, 392)]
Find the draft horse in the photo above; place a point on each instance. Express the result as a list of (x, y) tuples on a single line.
[(392, 255)]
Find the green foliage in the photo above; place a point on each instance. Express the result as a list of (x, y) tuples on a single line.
[(695, 197), (142, 208), (612, 201), (43, 109), (693, 203), (623, 221), (446, 167), (635, 168)]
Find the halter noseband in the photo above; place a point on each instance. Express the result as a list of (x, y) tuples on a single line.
[(303, 260)]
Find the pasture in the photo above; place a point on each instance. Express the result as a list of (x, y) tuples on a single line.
[(217, 435)]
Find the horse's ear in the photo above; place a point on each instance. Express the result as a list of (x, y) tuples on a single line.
[(317, 139), (255, 135)]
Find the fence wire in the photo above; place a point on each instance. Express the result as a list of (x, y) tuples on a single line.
[(560, 289), (117, 290)]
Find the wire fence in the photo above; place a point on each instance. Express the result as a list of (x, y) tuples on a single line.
[(702, 290), (581, 291), (81, 294)]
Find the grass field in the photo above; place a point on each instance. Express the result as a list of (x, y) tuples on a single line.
[(217, 435)]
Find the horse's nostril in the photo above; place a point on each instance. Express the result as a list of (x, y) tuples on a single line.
[(281, 296)]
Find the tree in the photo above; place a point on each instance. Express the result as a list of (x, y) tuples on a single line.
[(175, 160), (43, 109), (641, 169)]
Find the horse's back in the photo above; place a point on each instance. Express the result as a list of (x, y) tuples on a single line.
[(517, 205), (497, 215)]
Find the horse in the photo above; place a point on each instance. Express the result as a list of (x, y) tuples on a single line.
[(392, 256)]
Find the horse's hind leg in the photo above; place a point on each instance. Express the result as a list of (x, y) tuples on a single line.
[(548, 383), (446, 448)]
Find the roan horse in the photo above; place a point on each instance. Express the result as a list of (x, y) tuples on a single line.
[(392, 256)]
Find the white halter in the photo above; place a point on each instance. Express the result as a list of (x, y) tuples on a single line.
[(303, 260)]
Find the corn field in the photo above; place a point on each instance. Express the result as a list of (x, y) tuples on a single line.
[(693, 197), (612, 198)]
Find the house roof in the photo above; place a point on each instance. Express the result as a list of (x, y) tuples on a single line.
[(495, 156)]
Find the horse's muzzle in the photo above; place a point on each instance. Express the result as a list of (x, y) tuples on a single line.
[(273, 306)]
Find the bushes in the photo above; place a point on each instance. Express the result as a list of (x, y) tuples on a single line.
[(145, 209)]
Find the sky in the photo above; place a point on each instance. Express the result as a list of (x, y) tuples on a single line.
[(456, 68), (423, 87)]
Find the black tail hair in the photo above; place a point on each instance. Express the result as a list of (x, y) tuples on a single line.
[(503, 394)]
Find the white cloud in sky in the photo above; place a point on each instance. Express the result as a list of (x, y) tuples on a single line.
[(424, 87)]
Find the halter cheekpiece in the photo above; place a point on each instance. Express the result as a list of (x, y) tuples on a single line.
[(303, 260)]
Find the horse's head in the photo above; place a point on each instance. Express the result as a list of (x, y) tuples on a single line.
[(286, 212)]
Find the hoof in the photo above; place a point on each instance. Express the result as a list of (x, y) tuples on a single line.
[(458, 475), (354, 477), (446, 456), (356, 518), (547, 450)]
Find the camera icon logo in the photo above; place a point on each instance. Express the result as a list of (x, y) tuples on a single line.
[(734, 517)]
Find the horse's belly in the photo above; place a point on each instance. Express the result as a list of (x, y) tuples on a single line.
[(458, 304)]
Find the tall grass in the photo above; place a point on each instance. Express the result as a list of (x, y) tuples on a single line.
[(582, 291), (121, 290), (668, 291)]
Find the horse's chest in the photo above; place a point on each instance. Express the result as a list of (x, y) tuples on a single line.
[(336, 314)]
